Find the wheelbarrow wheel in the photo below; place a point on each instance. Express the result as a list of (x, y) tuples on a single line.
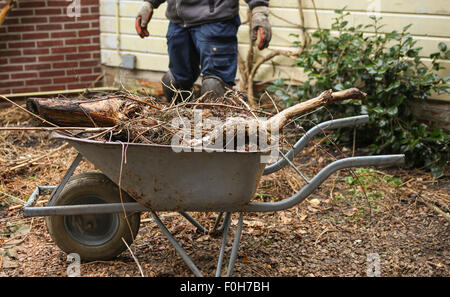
[(98, 236)]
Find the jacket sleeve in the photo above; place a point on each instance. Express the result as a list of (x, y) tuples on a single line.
[(253, 3), (156, 3)]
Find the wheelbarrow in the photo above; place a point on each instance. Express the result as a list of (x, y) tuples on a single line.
[(92, 213)]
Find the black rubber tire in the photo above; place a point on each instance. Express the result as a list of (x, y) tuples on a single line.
[(83, 187)]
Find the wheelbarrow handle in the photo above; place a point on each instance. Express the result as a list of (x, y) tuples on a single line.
[(303, 193), (303, 142)]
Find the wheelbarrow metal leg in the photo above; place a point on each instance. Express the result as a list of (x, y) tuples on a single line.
[(226, 224), (216, 223), (194, 222), (66, 178), (177, 246), (235, 249)]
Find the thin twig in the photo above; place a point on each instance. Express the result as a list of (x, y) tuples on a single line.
[(134, 258), (37, 159)]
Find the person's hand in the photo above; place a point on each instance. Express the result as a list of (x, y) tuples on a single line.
[(143, 18), (261, 25)]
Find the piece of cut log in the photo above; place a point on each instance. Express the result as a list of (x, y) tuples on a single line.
[(104, 112)]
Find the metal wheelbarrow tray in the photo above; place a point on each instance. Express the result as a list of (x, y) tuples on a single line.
[(160, 179)]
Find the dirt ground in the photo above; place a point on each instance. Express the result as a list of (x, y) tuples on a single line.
[(342, 229)]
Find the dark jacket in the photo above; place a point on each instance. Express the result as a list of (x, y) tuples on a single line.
[(196, 12)]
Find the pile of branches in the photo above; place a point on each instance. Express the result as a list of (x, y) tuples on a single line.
[(130, 118)]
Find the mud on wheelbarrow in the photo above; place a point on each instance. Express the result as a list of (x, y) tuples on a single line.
[(88, 214)]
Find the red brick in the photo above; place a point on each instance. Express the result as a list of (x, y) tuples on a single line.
[(65, 65), (24, 90), (11, 37), (37, 67), (61, 3), (78, 86), (64, 34), (76, 26), (95, 9), (53, 88), (89, 2), (37, 51), (38, 35), (11, 68), (3, 61), (24, 75), (51, 58), (10, 21), (21, 44), (39, 81), (91, 63), (4, 76), (9, 84), (61, 50), (78, 56), (28, 20), (20, 12), (77, 41), (48, 11), (89, 77), (52, 73), (23, 4), (49, 43), (96, 55), (48, 27), (95, 24), (79, 71), (89, 48), (92, 32), (96, 40), (11, 53), (20, 28), (22, 60), (89, 17), (67, 79), (58, 19)]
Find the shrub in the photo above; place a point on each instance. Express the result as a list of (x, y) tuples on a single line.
[(389, 68)]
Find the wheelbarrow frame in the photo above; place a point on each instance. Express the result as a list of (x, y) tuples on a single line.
[(30, 210)]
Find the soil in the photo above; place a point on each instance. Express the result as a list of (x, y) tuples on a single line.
[(342, 229)]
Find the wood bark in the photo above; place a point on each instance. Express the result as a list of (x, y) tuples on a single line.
[(278, 121), (104, 112)]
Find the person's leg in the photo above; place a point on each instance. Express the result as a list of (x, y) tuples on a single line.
[(184, 61), (218, 48)]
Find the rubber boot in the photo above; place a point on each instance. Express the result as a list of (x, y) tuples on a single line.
[(214, 84), (172, 88)]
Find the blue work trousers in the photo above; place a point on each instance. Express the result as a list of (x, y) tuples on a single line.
[(209, 49)]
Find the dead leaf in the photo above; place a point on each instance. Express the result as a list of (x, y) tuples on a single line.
[(314, 202), (284, 219), (350, 211), (203, 238), (253, 223), (12, 253), (8, 263), (312, 209)]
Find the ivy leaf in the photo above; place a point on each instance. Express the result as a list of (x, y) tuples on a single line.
[(442, 46), (436, 172)]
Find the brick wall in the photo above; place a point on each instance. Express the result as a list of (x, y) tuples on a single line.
[(42, 49)]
